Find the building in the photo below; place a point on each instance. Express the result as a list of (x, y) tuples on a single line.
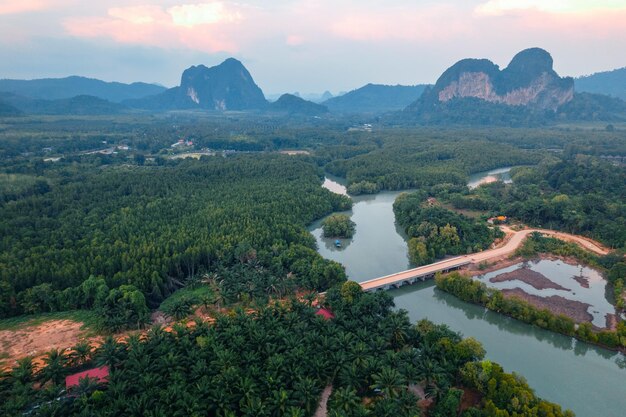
[(100, 375), (325, 313)]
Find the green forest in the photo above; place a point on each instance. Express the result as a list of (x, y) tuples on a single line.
[(97, 233), (580, 195), (276, 362), (435, 232), (98, 215)]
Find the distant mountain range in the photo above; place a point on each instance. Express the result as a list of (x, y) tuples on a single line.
[(611, 83), (375, 98), (473, 91), (79, 105), (61, 88)]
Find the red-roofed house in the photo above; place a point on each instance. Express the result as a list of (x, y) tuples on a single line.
[(325, 313), (100, 374)]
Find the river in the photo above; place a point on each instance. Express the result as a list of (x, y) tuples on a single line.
[(485, 177), (586, 379)]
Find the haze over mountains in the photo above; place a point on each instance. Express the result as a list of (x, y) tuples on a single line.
[(611, 83), (60, 88), (472, 91), (375, 98)]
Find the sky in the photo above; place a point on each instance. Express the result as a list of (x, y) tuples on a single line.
[(302, 45)]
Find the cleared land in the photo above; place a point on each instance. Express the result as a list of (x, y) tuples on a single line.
[(530, 277)]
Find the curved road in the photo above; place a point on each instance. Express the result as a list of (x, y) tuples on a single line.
[(513, 240)]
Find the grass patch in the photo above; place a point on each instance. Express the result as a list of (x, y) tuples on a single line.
[(196, 294), (91, 321)]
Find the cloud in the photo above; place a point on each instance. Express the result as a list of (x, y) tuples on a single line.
[(190, 15), (503, 7), (294, 40), (26, 6), (438, 22), (203, 26)]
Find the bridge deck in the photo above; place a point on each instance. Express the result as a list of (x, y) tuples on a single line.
[(411, 275)]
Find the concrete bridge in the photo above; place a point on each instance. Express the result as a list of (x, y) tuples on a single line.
[(411, 276), (513, 240)]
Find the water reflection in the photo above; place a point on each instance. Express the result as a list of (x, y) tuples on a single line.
[(587, 379), (484, 177), (572, 278)]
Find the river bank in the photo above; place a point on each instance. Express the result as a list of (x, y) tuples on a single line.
[(563, 367)]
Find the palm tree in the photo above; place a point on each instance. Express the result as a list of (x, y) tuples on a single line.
[(53, 370), (389, 381), (429, 371), (85, 386), (110, 352), (80, 354), (279, 402), (23, 372), (344, 399), (307, 393)]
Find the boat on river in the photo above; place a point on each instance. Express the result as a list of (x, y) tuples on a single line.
[(337, 243)]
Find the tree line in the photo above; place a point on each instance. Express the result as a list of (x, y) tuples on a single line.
[(468, 289)]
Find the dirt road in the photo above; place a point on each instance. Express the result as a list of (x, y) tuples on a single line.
[(513, 241)]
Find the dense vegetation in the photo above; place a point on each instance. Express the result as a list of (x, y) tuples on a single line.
[(414, 161), (435, 232), (477, 292), (141, 231), (338, 225), (275, 362), (123, 233), (580, 195)]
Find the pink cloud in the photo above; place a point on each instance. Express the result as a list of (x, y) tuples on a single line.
[(25, 6), (416, 24), (294, 40), (600, 24), (204, 26)]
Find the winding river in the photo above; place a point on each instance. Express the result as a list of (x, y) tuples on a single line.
[(586, 379)]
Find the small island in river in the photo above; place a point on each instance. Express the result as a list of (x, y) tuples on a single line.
[(338, 225)]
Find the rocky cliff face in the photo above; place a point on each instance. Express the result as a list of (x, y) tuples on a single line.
[(529, 80), (228, 86)]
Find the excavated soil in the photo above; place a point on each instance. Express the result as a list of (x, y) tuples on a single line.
[(37, 340), (575, 310), (530, 277), (583, 281)]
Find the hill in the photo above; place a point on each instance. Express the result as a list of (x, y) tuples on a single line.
[(227, 86), (288, 103), (375, 98), (528, 81), (62, 88), (593, 107), (8, 110), (79, 105), (612, 83)]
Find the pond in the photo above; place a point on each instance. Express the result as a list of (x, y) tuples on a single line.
[(576, 282), (587, 379)]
